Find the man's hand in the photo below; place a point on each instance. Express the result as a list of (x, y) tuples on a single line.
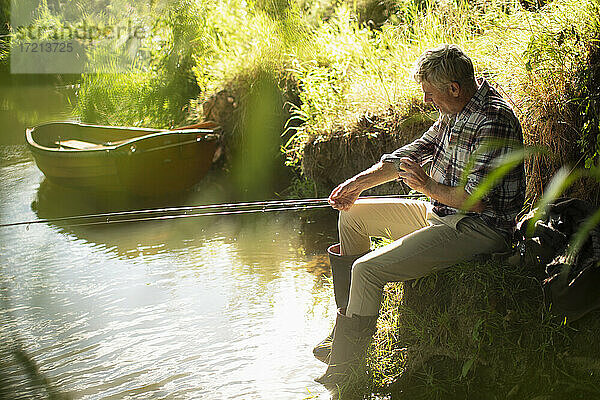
[(414, 176), (454, 196), (344, 195)]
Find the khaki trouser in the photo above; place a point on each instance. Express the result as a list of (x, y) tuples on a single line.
[(423, 243)]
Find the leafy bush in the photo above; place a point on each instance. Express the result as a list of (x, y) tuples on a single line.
[(4, 40), (153, 94)]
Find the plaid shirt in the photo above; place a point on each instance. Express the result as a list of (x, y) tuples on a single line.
[(465, 141)]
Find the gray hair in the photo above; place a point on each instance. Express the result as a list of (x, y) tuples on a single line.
[(443, 65)]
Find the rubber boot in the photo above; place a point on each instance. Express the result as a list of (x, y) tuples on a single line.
[(351, 338), (341, 271)]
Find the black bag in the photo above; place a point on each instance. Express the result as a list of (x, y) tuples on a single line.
[(571, 286)]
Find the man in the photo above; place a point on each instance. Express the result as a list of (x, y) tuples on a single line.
[(475, 130)]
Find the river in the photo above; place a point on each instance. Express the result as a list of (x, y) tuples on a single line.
[(224, 307)]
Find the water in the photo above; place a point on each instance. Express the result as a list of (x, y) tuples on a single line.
[(210, 308)]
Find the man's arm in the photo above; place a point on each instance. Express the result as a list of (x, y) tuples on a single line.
[(421, 150), (416, 178), (344, 196)]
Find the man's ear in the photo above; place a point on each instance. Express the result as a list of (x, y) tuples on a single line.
[(454, 89)]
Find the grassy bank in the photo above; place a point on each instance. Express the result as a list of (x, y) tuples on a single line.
[(482, 331), (293, 74), (336, 65)]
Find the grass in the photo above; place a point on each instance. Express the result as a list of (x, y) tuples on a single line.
[(539, 59), (333, 63), (155, 93), (480, 330)]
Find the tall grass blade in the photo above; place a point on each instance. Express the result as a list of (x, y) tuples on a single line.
[(584, 230)]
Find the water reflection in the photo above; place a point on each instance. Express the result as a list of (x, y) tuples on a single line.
[(209, 307), (28, 100), (52, 201)]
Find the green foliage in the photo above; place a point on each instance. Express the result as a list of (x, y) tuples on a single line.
[(342, 68), (587, 101), (345, 67), (254, 164), (4, 31), (154, 93), (551, 85), (275, 9), (302, 188), (4, 17)]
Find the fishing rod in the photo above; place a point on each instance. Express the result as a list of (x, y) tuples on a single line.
[(155, 214)]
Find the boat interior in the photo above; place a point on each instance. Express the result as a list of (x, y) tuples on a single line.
[(84, 137), (75, 136)]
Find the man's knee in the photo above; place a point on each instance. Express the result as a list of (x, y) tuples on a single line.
[(351, 219), (365, 272)]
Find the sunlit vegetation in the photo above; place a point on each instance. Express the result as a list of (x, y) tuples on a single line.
[(481, 330), (332, 63), (4, 18), (335, 62)]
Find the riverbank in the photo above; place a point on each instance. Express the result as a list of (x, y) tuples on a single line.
[(284, 77), (482, 330)]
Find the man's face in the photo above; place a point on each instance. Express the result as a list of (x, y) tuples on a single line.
[(444, 100)]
